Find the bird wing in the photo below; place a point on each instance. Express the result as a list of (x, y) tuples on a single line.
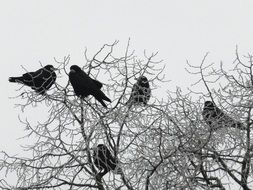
[(38, 76), (134, 91), (78, 84), (28, 77), (99, 84), (147, 92), (83, 85), (94, 88), (92, 85), (39, 73), (216, 118), (86, 81), (43, 80), (213, 117)]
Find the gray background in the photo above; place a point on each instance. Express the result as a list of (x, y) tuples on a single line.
[(33, 31)]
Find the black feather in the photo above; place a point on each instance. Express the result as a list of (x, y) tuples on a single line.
[(103, 159), (140, 92), (84, 86), (40, 80), (216, 118)]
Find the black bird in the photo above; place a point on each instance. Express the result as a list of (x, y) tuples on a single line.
[(140, 92), (84, 85), (217, 119), (40, 80), (103, 159)]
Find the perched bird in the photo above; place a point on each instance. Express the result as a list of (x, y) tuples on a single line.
[(40, 80), (103, 159), (84, 85), (217, 119), (140, 92)]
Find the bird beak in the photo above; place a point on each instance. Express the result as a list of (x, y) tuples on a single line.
[(72, 71)]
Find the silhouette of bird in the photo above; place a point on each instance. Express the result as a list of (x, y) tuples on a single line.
[(84, 85), (40, 80), (140, 92), (103, 159), (216, 118)]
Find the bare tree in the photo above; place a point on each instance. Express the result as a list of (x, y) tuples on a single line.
[(61, 155), (222, 157), (165, 144)]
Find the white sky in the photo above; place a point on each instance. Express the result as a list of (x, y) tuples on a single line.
[(33, 31)]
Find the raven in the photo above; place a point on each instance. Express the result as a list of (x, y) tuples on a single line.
[(84, 85), (217, 119), (103, 159), (40, 80), (140, 92)]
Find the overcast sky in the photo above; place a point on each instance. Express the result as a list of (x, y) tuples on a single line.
[(33, 31)]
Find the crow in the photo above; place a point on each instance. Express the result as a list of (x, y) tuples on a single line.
[(103, 159), (40, 80), (84, 86), (216, 118), (140, 92)]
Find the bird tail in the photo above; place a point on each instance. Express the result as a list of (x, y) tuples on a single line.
[(16, 79), (102, 102), (100, 96), (106, 98)]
